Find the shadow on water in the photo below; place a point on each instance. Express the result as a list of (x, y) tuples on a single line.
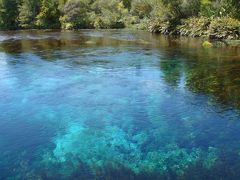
[(118, 104)]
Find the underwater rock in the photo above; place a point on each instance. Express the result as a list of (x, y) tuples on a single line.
[(90, 42), (207, 44)]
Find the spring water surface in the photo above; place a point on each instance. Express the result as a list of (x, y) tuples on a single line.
[(117, 105)]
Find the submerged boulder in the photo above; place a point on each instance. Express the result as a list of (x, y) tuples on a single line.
[(207, 44)]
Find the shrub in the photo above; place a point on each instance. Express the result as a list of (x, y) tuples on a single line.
[(166, 14), (27, 13), (182, 8), (8, 14), (163, 27), (161, 12), (224, 28), (49, 15), (141, 8), (108, 14), (213, 28), (220, 8), (75, 14), (194, 27)]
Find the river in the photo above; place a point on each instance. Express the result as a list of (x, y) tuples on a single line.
[(117, 104)]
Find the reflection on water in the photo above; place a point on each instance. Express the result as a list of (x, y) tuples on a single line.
[(117, 105)]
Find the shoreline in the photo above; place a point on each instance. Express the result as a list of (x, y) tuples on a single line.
[(206, 41)]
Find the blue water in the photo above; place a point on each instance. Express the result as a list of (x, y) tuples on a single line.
[(110, 105)]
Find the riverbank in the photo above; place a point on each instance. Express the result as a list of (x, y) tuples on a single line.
[(212, 19), (224, 28), (185, 40)]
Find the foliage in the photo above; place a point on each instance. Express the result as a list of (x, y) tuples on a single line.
[(194, 27), (49, 14), (141, 8), (224, 28), (163, 27), (178, 9), (219, 8), (8, 14), (27, 13), (166, 14), (75, 14), (213, 28), (108, 14)]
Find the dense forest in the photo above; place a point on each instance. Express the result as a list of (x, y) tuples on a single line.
[(217, 19)]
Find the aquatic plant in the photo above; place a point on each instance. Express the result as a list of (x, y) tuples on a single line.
[(111, 146)]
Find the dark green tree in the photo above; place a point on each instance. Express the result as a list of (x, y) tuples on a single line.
[(76, 14), (28, 10), (9, 14), (49, 14)]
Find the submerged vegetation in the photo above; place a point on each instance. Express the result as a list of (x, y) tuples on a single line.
[(216, 19)]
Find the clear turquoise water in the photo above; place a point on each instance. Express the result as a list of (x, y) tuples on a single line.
[(117, 105)]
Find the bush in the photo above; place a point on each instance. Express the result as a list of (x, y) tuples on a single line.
[(107, 21), (131, 21), (213, 28), (182, 8), (8, 14), (194, 27), (224, 28), (75, 14), (190, 8), (161, 12), (220, 8), (166, 14), (27, 13), (207, 8), (141, 8), (108, 14), (49, 15)]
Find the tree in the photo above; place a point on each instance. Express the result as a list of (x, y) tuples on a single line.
[(49, 14), (27, 13), (141, 8), (61, 4), (108, 14), (9, 14), (183, 8), (75, 14)]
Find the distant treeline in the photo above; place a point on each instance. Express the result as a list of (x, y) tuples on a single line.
[(164, 16)]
